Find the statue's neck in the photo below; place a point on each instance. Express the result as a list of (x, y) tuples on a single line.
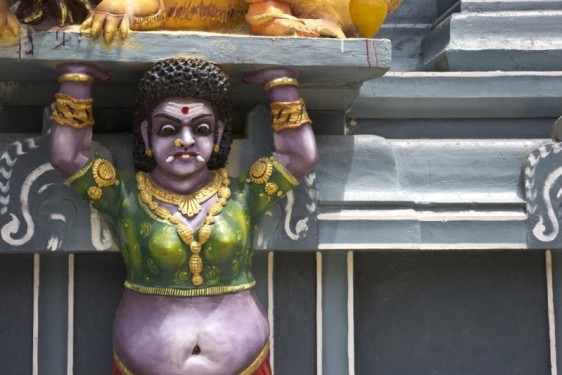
[(181, 184)]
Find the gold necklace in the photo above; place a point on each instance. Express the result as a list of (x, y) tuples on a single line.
[(185, 233), (190, 204)]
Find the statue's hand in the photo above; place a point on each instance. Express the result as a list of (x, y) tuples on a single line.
[(92, 70), (261, 77)]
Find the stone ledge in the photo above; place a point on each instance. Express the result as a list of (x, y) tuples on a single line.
[(327, 64), (505, 5), (371, 171), (486, 41), (483, 95)]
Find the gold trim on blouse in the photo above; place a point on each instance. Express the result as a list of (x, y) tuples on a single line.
[(176, 292)]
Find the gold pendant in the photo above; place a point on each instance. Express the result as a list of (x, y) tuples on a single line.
[(189, 207)]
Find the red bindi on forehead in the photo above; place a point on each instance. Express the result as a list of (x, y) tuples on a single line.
[(185, 110)]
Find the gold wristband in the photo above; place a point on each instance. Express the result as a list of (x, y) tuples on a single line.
[(76, 113), (283, 81), (288, 115), (76, 77)]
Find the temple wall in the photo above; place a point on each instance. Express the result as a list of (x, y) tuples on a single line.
[(423, 243)]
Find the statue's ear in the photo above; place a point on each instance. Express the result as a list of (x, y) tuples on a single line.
[(220, 131), (144, 132)]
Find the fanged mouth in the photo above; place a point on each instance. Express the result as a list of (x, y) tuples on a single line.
[(185, 156)]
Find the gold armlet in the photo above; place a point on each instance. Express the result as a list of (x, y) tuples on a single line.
[(288, 115), (76, 113), (283, 81), (76, 77)]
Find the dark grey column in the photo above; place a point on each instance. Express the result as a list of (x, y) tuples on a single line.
[(295, 313), (53, 314), (334, 313), (98, 289), (16, 313)]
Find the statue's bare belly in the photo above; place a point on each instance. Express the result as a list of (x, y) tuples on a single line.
[(189, 335)]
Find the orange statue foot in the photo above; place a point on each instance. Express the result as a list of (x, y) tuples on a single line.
[(274, 18), (117, 17)]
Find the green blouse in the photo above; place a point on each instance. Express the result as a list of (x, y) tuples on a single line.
[(156, 258)]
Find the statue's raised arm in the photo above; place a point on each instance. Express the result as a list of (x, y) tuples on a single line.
[(294, 143), (72, 117)]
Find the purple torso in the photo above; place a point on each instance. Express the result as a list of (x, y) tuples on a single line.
[(189, 335)]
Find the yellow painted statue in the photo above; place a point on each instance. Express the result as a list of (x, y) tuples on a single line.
[(311, 18)]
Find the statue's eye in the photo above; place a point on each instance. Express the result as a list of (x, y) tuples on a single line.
[(202, 129), (167, 129)]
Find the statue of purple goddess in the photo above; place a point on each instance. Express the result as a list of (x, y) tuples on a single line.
[(184, 227)]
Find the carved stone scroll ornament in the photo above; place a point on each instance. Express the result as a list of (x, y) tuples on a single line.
[(543, 193), (37, 211)]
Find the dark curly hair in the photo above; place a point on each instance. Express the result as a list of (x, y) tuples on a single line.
[(187, 78)]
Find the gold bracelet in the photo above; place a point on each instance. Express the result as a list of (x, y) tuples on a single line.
[(288, 115), (76, 77), (283, 81), (76, 113)]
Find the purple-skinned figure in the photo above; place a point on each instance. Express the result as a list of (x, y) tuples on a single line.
[(184, 226)]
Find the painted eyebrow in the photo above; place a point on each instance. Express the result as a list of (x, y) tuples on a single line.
[(165, 115), (175, 119), (196, 118)]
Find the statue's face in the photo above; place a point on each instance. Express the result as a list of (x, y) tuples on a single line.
[(182, 136)]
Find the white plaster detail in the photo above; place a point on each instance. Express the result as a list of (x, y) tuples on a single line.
[(70, 311), (44, 187), (13, 226), (4, 204), (301, 227), (551, 313), (53, 244), (422, 216), (311, 207), (270, 309), (35, 338), (350, 315), (539, 229), (539, 195), (58, 217), (7, 161), (423, 246), (319, 316), (4, 188), (101, 239)]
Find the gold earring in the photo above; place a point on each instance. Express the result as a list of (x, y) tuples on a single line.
[(148, 152), (216, 148), (178, 142)]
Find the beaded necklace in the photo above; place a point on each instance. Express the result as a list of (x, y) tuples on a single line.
[(190, 204), (149, 191)]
